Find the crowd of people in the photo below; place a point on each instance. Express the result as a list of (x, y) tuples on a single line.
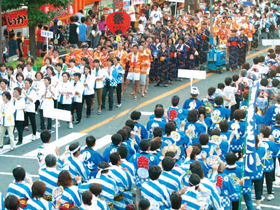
[(184, 158)]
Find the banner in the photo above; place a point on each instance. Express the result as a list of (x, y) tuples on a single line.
[(134, 2), (250, 167), (118, 22), (17, 19), (118, 4), (61, 13), (178, 1)]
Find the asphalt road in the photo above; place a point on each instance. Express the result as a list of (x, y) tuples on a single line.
[(106, 124)]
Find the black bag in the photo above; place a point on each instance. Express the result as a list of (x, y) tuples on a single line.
[(272, 26)]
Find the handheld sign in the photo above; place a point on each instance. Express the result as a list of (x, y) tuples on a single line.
[(118, 22), (47, 34), (192, 74)]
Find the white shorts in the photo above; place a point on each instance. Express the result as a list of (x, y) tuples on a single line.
[(250, 39), (133, 76)]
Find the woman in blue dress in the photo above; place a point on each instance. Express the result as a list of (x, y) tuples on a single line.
[(233, 45), (172, 73), (163, 65), (190, 52)]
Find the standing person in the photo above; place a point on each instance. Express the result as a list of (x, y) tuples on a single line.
[(166, 12), (272, 25), (233, 43), (190, 64), (19, 42), (80, 15), (110, 83), (155, 15), (172, 73), (7, 119), (77, 103), (88, 31), (119, 80), (147, 11), (181, 54), (19, 104), (204, 43), (144, 68), (47, 95), (243, 48), (88, 80), (101, 24), (71, 33), (82, 31), (6, 35), (163, 67), (65, 95), (13, 47), (40, 40), (95, 35), (30, 99), (132, 16), (134, 71)]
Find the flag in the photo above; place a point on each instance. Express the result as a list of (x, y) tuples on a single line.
[(249, 152)]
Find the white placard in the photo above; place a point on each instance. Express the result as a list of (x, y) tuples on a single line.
[(271, 42), (48, 34), (179, 1), (134, 2), (57, 114), (195, 74)]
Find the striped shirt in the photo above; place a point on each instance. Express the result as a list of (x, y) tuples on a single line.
[(76, 168), (2, 204), (70, 195), (190, 197), (214, 195), (49, 176), (96, 204), (40, 204), (21, 190), (156, 192), (171, 181), (109, 187)]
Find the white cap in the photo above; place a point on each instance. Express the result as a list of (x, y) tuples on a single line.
[(194, 91)]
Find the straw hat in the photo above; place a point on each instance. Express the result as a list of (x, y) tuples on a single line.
[(172, 148)]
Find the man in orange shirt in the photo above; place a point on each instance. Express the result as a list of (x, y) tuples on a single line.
[(90, 57), (134, 70), (72, 55), (122, 54), (144, 68), (223, 35), (103, 56), (49, 54)]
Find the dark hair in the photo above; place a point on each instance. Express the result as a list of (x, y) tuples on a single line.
[(11, 202), (116, 139), (124, 134), (265, 130), (211, 91), (235, 77), (230, 158), (194, 180), (221, 86), (19, 174), (256, 60), (154, 172), (42, 76), (228, 81), (115, 158), (224, 125), (144, 144), (68, 75), (176, 200), (87, 197), (29, 80), (237, 114), (158, 132), (159, 112), (90, 141), (49, 79), (203, 139), (4, 80), (195, 152), (45, 136), (275, 83), (8, 95), (103, 165), (167, 163), (175, 100), (216, 132), (192, 116), (18, 89), (20, 74), (198, 170), (219, 100), (135, 115), (64, 179), (38, 189), (50, 160), (144, 204), (169, 127), (130, 124), (123, 151)]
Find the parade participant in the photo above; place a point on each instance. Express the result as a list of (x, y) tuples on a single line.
[(29, 73), (47, 94), (243, 48), (153, 187), (19, 104), (172, 73), (37, 201), (204, 43), (73, 69), (91, 199), (55, 58), (134, 71), (70, 196), (90, 57), (190, 51), (10, 77), (88, 80), (30, 98), (99, 74), (59, 69), (19, 187), (103, 56), (49, 54), (157, 121), (65, 94), (119, 80), (163, 65), (72, 55), (144, 57), (77, 103), (233, 43), (181, 54), (48, 62), (49, 175), (90, 157), (37, 85), (193, 102)]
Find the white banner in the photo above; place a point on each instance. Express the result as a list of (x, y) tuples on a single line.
[(134, 2), (179, 1)]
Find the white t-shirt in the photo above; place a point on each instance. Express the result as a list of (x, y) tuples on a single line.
[(132, 16), (155, 15), (230, 93)]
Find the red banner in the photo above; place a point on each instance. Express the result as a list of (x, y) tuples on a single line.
[(118, 22), (118, 4), (17, 19), (61, 13)]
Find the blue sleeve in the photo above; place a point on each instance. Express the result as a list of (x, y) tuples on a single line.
[(144, 132), (106, 155), (185, 106), (227, 112), (275, 148), (268, 116), (98, 158)]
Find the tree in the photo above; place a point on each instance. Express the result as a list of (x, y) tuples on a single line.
[(35, 15)]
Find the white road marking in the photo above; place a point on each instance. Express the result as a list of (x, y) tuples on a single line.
[(58, 143), (147, 113), (17, 156), (102, 142), (11, 174)]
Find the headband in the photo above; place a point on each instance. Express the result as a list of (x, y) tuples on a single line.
[(100, 171), (75, 150)]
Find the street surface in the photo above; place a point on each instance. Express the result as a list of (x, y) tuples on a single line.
[(104, 125)]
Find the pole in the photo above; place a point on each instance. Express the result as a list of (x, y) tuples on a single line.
[(56, 128), (47, 45), (1, 38), (211, 19), (175, 9)]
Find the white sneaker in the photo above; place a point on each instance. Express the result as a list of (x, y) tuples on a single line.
[(263, 198), (33, 137), (119, 105), (70, 125), (258, 208), (270, 197), (58, 125)]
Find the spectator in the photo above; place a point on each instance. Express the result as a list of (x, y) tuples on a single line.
[(101, 24), (13, 47)]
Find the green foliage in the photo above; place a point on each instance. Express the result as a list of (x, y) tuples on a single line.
[(38, 63)]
